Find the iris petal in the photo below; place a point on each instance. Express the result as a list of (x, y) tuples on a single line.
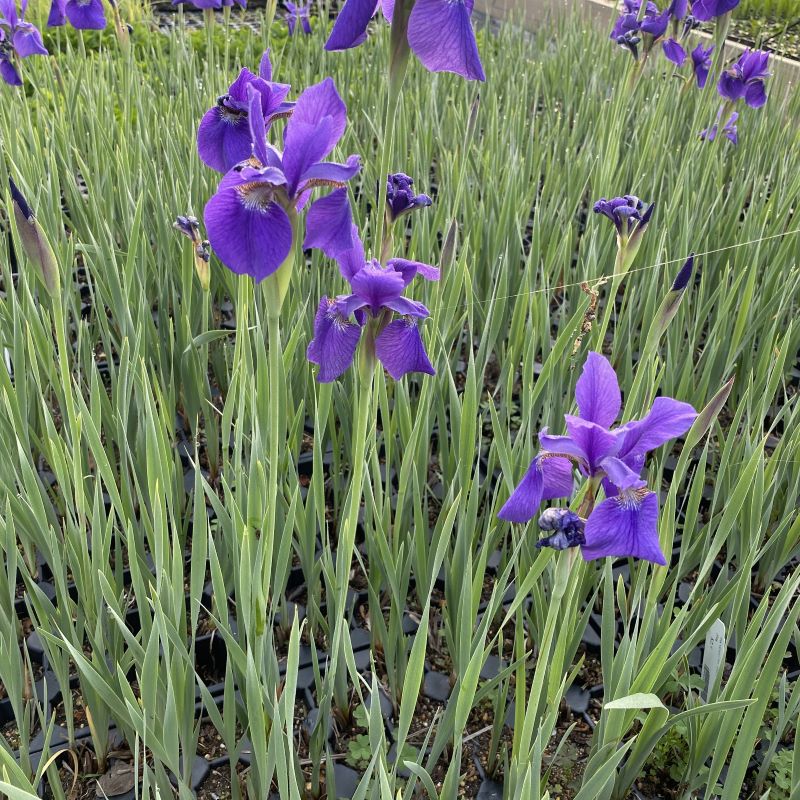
[(440, 34), (400, 349), (624, 528)]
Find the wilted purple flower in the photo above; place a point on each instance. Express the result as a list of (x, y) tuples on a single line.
[(295, 14), (701, 63), (400, 197), (439, 32), (86, 15), (375, 299), (729, 128), (705, 10), (223, 137), (568, 529), (745, 79), (625, 524), (249, 219)]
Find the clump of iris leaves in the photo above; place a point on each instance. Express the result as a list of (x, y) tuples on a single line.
[(92, 477)]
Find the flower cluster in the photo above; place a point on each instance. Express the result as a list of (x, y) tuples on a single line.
[(646, 26), (625, 523), (18, 39), (439, 33)]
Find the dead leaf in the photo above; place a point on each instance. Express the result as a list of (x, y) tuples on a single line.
[(119, 779)]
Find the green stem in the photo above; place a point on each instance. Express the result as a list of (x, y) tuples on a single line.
[(275, 357), (619, 274), (347, 534)]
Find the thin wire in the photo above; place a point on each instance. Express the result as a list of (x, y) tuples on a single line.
[(561, 286)]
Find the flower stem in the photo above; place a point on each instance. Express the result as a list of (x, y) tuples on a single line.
[(275, 361), (347, 533)]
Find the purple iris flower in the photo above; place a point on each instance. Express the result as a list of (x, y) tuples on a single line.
[(705, 10), (295, 14), (377, 295), (400, 196), (729, 129), (249, 219), (674, 52), (745, 79), (626, 213), (18, 39), (625, 524), (701, 63), (223, 137), (85, 15), (439, 32)]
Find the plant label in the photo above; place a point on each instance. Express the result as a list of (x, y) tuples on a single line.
[(713, 655)]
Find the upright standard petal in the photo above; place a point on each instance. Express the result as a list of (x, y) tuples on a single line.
[(593, 440), (350, 28), (440, 34), (335, 340), (353, 258), (625, 526), (597, 391), (329, 225), (250, 234), (314, 105), (87, 15), (257, 125), (666, 420), (376, 287), (400, 349), (265, 66), (547, 478)]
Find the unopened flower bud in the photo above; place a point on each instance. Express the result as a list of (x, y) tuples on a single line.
[(34, 240)]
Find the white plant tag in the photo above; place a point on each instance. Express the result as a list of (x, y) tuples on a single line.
[(713, 655)]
